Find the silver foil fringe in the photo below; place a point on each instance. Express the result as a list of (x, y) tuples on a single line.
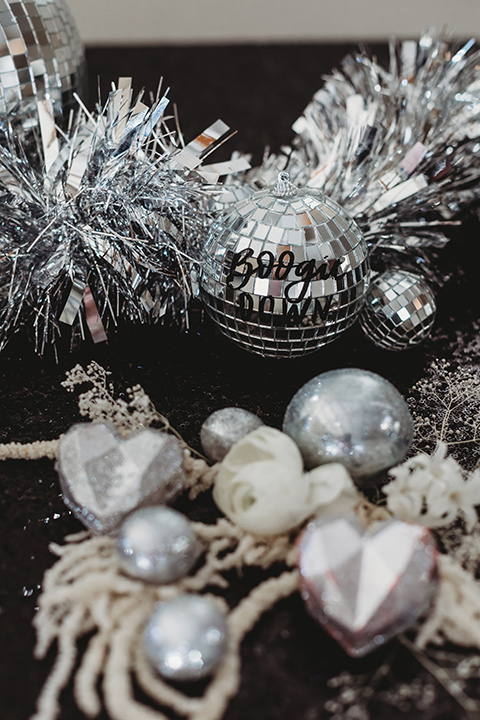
[(397, 147), (108, 226)]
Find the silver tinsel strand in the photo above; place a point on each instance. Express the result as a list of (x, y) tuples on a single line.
[(107, 227), (397, 147)]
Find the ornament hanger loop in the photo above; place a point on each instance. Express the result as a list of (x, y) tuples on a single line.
[(283, 186)]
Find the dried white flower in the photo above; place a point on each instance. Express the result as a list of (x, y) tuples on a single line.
[(432, 490), (262, 488)]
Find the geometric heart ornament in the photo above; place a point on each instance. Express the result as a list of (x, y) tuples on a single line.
[(366, 585), (104, 476)]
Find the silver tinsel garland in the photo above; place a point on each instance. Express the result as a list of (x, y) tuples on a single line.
[(397, 147), (107, 226)]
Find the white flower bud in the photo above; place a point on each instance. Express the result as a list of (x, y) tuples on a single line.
[(262, 488)]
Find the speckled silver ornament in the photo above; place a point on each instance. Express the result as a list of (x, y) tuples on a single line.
[(284, 271), (104, 476), (157, 545), (41, 56), (399, 310), (353, 417), (225, 427), (186, 637)]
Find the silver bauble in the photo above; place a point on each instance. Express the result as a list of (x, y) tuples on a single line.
[(186, 637), (41, 56), (285, 271), (225, 427), (157, 545), (399, 310), (353, 417)]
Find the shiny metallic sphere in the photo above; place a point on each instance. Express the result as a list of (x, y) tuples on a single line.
[(225, 427), (353, 417), (285, 271), (157, 544), (186, 637), (399, 310), (41, 57)]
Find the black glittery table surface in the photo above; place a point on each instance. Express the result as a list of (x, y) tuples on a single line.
[(260, 91)]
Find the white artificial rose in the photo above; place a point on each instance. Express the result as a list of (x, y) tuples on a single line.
[(332, 490), (261, 485), (262, 488)]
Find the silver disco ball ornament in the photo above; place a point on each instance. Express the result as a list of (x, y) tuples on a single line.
[(399, 310), (41, 56), (285, 271)]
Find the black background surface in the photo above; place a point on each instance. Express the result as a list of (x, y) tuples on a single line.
[(260, 91)]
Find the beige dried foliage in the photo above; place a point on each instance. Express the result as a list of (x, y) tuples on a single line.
[(86, 591), (445, 405), (86, 595)]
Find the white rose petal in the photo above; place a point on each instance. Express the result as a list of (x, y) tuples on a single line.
[(332, 490)]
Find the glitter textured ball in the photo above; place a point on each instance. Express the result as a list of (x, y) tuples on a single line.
[(399, 310), (225, 427), (104, 476), (186, 637), (353, 417), (157, 544), (41, 57), (285, 271), (365, 586)]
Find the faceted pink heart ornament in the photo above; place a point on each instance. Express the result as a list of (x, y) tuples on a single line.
[(366, 585)]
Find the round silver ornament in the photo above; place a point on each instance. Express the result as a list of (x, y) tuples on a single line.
[(353, 417), (157, 545), (225, 427), (41, 57), (285, 271), (186, 637), (399, 310)]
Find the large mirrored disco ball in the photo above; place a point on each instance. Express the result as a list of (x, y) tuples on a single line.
[(41, 56), (399, 310), (285, 271)]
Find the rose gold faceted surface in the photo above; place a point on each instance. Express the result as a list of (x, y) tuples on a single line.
[(365, 586)]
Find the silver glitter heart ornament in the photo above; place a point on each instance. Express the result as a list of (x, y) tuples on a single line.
[(365, 586), (104, 476)]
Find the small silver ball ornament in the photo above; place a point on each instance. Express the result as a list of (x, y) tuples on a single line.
[(157, 545), (399, 310), (353, 417), (225, 427), (285, 271), (186, 638)]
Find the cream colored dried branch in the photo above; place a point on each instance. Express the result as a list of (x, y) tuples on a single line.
[(446, 408), (85, 592), (462, 547), (455, 615), (99, 404)]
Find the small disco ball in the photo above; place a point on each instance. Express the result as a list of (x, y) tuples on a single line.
[(285, 271), (399, 310), (41, 56)]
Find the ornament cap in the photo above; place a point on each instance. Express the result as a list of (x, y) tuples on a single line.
[(283, 186)]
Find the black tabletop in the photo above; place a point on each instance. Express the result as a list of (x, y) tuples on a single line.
[(287, 659)]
